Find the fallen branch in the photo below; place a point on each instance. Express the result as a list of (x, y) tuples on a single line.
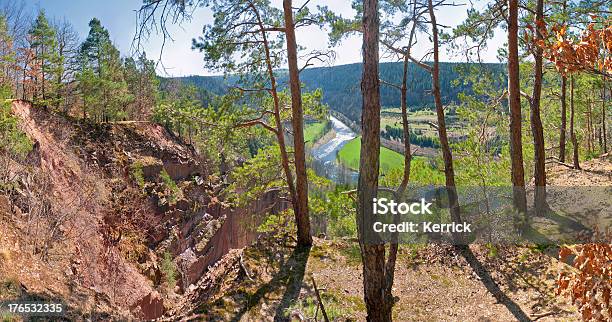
[(354, 191), (297, 315), (432, 124), (552, 148), (525, 95), (571, 166), (243, 267), (351, 194), (541, 315), (384, 82), (314, 284)]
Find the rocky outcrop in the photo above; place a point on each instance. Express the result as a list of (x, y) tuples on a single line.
[(134, 193)]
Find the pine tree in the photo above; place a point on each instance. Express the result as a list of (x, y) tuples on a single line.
[(102, 84), (142, 84), (44, 46), (91, 51), (115, 94)]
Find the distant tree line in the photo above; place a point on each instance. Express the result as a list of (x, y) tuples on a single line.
[(396, 133), (340, 85)]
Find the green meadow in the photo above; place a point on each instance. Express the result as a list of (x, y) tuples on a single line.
[(314, 131), (349, 156)]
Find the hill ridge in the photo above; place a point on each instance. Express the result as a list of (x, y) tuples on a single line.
[(340, 84)]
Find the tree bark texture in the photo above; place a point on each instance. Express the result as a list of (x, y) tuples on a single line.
[(572, 132), (301, 185), (514, 102), (449, 172), (539, 171), (563, 127), (372, 253)]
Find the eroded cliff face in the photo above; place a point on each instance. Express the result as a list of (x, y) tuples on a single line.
[(126, 202)]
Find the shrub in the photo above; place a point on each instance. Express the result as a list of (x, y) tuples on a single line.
[(138, 174), (174, 192), (169, 270), (12, 139)]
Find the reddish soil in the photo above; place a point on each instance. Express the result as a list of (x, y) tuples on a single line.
[(115, 229)]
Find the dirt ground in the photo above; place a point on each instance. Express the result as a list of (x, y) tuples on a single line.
[(432, 282)]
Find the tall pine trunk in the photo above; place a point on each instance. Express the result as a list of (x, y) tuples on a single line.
[(42, 68), (449, 172), (405, 128), (603, 115), (394, 245), (279, 130), (372, 252), (301, 207), (539, 171), (572, 132), (589, 119), (563, 127), (514, 102)]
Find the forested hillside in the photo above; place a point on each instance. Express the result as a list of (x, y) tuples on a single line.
[(340, 84)]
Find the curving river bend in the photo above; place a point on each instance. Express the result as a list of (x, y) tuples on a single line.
[(325, 156)]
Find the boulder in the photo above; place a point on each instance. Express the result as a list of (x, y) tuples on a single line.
[(178, 170), (149, 307), (151, 167), (5, 206)]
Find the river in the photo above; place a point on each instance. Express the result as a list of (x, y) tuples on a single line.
[(325, 156)]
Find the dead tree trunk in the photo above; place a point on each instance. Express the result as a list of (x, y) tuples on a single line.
[(301, 206), (514, 102), (536, 121), (25, 66), (372, 252)]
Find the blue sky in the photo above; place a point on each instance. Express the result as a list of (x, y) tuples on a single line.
[(119, 16)]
